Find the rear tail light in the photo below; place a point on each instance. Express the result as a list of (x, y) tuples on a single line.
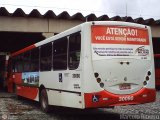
[(96, 75), (101, 85), (145, 83), (98, 80), (149, 73), (147, 78)]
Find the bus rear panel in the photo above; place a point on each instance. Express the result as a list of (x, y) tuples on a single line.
[(122, 65)]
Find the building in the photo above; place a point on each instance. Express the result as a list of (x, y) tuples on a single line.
[(18, 29)]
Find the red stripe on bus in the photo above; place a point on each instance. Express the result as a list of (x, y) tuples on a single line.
[(104, 98), (23, 50), (28, 92)]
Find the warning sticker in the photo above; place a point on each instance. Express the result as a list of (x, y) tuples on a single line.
[(120, 42), (119, 35)]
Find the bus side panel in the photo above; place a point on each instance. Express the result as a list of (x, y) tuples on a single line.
[(28, 92), (14, 78), (18, 78), (151, 82), (66, 99), (62, 87), (89, 81)]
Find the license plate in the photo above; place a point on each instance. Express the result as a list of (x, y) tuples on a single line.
[(124, 86)]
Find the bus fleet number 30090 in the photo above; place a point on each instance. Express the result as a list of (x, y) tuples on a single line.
[(126, 98)]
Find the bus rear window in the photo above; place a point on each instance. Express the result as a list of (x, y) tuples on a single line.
[(74, 51)]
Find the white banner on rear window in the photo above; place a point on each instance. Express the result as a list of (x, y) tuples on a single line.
[(109, 51)]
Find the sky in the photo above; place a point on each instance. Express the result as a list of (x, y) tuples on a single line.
[(134, 8)]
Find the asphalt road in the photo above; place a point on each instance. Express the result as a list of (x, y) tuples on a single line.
[(12, 108)]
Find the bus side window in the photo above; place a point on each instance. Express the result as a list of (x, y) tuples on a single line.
[(60, 54), (26, 60), (34, 60), (19, 63), (11, 65), (46, 57), (74, 51)]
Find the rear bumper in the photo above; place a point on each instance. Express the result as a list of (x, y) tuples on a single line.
[(106, 99)]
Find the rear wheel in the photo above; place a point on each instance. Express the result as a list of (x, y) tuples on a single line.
[(44, 101)]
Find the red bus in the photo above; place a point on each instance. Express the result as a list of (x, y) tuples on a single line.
[(157, 69), (92, 65)]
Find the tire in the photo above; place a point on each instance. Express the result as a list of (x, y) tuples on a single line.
[(44, 101)]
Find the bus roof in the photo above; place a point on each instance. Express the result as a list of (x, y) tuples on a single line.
[(70, 31)]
